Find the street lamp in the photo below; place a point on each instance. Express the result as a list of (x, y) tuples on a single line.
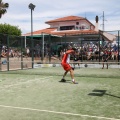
[(31, 6)]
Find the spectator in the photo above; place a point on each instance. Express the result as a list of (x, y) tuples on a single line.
[(27, 52), (37, 51)]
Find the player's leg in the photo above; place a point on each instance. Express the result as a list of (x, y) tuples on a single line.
[(107, 65), (103, 65), (66, 68), (63, 79), (72, 76)]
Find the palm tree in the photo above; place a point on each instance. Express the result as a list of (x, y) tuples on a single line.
[(3, 7)]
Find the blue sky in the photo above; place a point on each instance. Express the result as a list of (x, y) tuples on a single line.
[(18, 13)]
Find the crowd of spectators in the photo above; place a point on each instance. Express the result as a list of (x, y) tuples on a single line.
[(94, 51), (87, 51), (13, 52)]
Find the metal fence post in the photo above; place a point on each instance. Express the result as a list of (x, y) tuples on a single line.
[(8, 62), (0, 56), (118, 47), (49, 48), (21, 53)]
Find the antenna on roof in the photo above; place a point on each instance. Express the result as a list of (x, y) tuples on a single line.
[(103, 24)]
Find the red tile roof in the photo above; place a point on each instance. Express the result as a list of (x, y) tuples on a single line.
[(53, 31), (64, 19), (38, 32)]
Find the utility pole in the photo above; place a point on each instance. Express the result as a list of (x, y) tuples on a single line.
[(103, 21)]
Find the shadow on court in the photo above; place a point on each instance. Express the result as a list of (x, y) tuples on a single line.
[(100, 93), (67, 81)]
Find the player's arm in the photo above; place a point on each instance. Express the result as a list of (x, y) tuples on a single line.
[(70, 51), (73, 50)]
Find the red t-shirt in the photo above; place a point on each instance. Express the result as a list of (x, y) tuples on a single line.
[(66, 56)]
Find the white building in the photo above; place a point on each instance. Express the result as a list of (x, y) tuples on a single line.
[(74, 26)]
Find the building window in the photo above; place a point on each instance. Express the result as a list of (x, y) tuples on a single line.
[(82, 27), (77, 28), (67, 27), (77, 23)]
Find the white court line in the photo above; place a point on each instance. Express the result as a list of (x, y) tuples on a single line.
[(20, 83), (55, 112)]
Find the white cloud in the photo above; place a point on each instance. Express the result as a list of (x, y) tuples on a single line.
[(19, 14)]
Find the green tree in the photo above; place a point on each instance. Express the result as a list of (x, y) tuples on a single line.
[(10, 30), (13, 32), (3, 7)]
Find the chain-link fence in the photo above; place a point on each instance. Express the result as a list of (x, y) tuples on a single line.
[(22, 52)]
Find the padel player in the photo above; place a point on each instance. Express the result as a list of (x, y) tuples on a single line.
[(65, 64), (105, 59)]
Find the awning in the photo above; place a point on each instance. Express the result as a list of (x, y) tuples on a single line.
[(42, 35)]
